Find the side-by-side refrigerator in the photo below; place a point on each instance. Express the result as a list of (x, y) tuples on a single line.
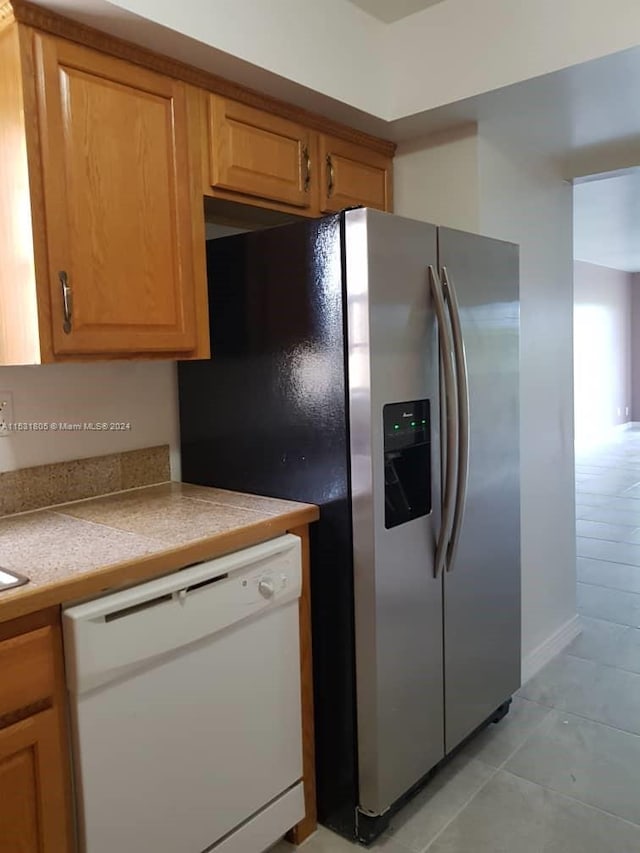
[(369, 364)]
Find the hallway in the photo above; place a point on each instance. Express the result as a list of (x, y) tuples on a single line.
[(561, 773)]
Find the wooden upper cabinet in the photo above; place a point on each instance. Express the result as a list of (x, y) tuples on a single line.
[(106, 153), (353, 175), (255, 153), (117, 200)]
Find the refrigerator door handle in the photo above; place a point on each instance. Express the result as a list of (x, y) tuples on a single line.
[(451, 420), (462, 384)]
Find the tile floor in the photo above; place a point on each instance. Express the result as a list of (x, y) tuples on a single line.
[(561, 773)]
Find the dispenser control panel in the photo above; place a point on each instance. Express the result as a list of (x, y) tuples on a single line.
[(407, 461)]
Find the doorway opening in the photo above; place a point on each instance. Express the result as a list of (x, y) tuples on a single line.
[(607, 410)]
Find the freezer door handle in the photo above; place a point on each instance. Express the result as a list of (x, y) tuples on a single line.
[(462, 386), (451, 420)]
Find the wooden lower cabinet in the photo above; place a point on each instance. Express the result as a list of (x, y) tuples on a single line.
[(35, 813), (33, 807)]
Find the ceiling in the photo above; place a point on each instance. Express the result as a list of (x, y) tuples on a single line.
[(607, 220), (389, 11)]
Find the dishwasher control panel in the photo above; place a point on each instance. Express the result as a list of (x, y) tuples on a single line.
[(118, 632)]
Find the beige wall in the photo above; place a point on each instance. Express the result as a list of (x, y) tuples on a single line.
[(602, 350), (436, 179), (524, 199), (143, 394), (448, 52)]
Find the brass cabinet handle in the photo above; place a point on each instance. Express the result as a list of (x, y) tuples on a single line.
[(307, 168), (67, 302), (330, 176)]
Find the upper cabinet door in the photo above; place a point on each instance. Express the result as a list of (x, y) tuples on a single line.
[(258, 154), (352, 175), (117, 202)]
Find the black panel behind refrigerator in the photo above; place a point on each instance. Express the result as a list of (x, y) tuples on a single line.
[(267, 415)]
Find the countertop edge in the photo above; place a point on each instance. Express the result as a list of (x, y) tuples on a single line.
[(117, 576)]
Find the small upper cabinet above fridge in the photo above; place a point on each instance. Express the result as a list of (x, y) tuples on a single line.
[(258, 154), (271, 161), (353, 176)]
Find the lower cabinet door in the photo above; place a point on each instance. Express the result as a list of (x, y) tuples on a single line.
[(33, 804)]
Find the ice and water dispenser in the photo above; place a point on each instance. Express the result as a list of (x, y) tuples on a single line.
[(407, 461)]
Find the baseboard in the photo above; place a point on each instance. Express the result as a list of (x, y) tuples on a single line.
[(552, 646)]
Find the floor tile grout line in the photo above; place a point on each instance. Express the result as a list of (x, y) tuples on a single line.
[(502, 769), (608, 621), (575, 800), (610, 665), (589, 719), (598, 663), (564, 711), (448, 823), (608, 562), (537, 726), (606, 586), (610, 541), (494, 768), (616, 562)]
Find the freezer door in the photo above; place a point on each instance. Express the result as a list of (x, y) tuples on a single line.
[(482, 584), (393, 359)]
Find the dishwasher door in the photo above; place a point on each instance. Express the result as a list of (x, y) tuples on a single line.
[(185, 706)]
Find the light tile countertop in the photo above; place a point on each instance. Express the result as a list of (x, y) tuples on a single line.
[(81, 549)]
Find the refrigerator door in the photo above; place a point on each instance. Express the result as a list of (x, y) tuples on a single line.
[(393, 359), (482, 583)]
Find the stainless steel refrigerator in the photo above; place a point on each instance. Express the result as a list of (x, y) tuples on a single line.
[(369, 364)]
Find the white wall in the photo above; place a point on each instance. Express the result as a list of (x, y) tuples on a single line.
[(142, 393), (446, 53), (522, 198), (461, 48), (436, 179), (602, 351), (332, 46)]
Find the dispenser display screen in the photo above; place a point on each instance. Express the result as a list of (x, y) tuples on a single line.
[(407, 461)]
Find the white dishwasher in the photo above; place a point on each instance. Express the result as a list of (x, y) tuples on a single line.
[(185, 707)]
